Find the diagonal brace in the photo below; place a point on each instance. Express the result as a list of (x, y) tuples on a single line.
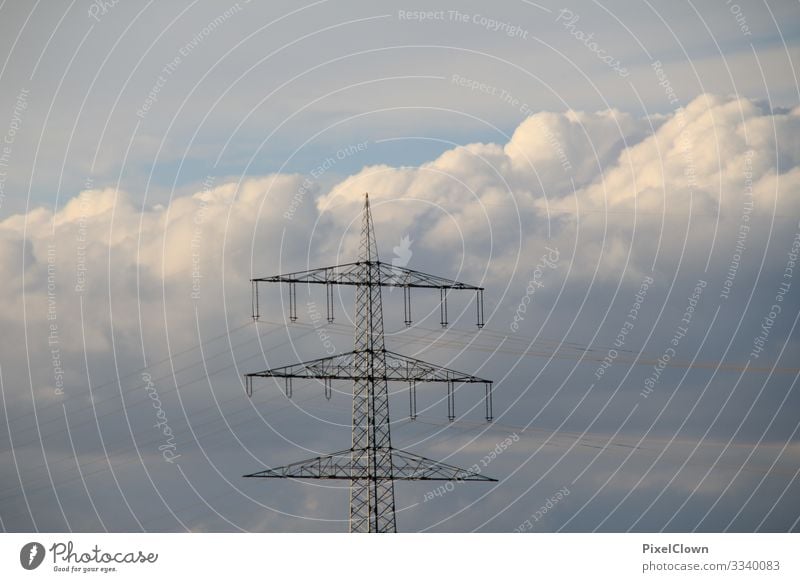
[(399, 368), (352, 274), (405, 465)]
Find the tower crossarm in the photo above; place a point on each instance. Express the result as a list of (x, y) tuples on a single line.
[(338, 367), (368, 274), (395, 276), (371, 464), (405, 465), (352, 274), (414, 467), (345, 274), (404, 368), (398, 368)]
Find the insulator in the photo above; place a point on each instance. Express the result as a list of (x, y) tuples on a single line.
[(329, 301), (451, 402), (292, 302), (479, 303), (407, 304), (488, 401), (328, 389), (248, 386), (288, 387), (254, 299), (443, 306), (412, 399)]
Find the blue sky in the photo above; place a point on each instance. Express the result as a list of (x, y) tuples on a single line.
[(345, 70)]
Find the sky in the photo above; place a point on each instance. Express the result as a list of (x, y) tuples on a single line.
[(623, 179)]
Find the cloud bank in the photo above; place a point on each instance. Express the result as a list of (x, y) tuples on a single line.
[(709, 192)]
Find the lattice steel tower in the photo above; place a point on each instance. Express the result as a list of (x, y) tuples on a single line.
[(371, 464)]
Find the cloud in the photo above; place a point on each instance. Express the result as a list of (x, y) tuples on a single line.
[(481, 207), (593, 178), (128, 280)]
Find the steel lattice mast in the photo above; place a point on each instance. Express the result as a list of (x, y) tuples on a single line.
[(371, 464)]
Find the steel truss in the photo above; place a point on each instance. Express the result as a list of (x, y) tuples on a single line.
[(405, 466), (387, 275), (371, 464)]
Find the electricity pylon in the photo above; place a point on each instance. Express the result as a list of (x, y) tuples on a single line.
[(371, 464)]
